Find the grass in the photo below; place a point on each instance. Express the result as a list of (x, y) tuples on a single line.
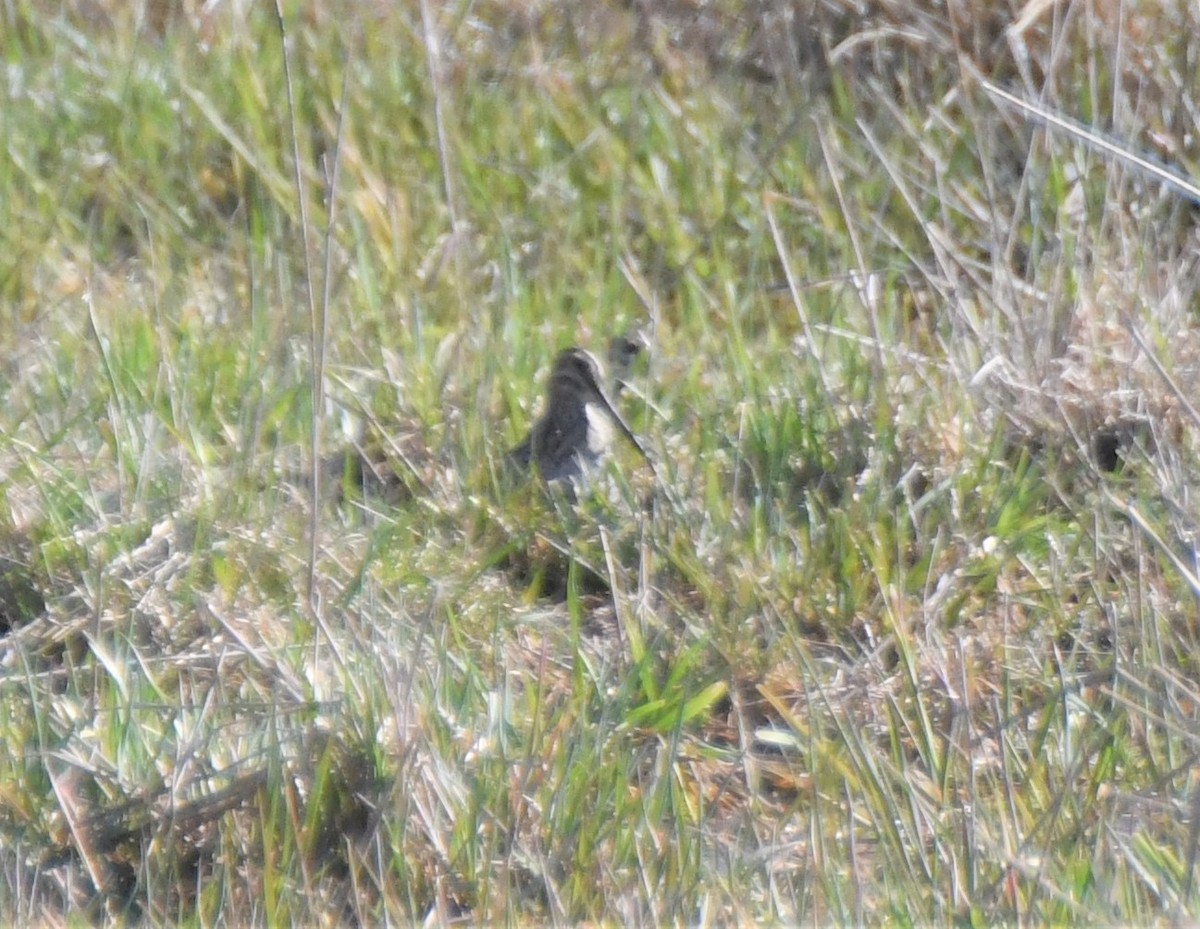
[(904, 631)]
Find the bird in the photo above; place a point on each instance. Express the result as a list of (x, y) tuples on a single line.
[(576, 428), (623, 350)]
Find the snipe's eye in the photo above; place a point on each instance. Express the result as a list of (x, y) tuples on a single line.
[(585, 366)]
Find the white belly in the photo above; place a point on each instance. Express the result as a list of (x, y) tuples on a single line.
[(600, 430)]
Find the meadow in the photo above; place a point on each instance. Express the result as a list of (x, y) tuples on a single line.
[(901, 629)]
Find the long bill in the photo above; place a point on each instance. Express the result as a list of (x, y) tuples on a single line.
[(626, 431)]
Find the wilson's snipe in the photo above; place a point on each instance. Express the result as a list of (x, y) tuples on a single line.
[(576, 428), (622, 352)]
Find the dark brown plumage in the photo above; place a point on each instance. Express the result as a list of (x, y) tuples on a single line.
[(576, 429)]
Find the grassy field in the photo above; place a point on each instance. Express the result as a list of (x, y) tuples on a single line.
[(903, 631)]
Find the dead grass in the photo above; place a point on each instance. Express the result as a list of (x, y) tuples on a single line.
[(904, 631)]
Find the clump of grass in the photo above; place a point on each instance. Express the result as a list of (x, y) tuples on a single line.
[(903, 628)]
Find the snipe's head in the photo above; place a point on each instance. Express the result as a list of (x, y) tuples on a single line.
[(575, 378), (622, 353)]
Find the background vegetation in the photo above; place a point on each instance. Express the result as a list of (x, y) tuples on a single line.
[(905, 631)]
